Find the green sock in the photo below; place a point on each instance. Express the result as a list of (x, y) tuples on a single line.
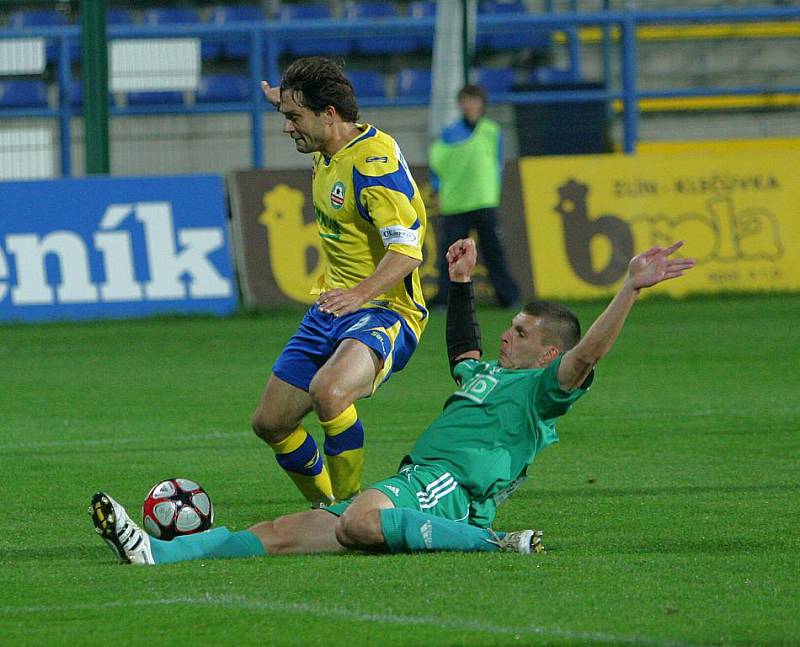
[(407, 531), (212, 544)]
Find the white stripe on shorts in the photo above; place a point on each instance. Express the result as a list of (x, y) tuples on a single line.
[(432, 503), (435, 486), (436, 490)]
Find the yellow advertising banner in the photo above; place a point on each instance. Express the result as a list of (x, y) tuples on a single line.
[(739, 214)]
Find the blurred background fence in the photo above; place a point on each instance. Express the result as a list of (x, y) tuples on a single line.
[(564, 77)]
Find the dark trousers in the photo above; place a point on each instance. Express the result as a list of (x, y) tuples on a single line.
[(484, 223)]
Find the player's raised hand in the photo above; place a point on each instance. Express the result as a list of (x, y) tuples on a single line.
[(272, 94), (461, 259), (654, 266)]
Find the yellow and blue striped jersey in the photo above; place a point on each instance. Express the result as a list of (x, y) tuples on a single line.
[(366, 202)]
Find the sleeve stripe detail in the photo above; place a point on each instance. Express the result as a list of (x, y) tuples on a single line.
[(396, 181), (362, 210)]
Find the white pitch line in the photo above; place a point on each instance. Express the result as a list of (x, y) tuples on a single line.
[(217, 435), (239, 602)]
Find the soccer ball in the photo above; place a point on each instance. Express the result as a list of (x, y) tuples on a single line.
[(176, 507)]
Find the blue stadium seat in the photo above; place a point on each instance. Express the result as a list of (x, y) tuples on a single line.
[(367, 84), (414, 83), (369, 44), (75, 93), (238, 47), (155, 97), (552, 76), (119, 17), (36, 18), (23, 93), (495, 80), (170, 16), (22, 19), (539, 39), (423, 9), (311, 46), (222, 88), (355, 10)]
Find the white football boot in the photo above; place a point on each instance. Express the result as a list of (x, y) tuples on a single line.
[(130, 543), (524, 542)]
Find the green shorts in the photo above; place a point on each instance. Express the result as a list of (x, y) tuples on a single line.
[(424, 488)]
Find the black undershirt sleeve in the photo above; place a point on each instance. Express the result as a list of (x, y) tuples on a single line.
[(463, 332)]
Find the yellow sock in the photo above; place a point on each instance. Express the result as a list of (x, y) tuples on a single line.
[(299, 456), (344, 448)]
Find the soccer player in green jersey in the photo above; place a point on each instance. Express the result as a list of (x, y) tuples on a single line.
[(469, 460)]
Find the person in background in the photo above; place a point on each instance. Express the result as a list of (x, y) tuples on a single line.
[(466, 164)]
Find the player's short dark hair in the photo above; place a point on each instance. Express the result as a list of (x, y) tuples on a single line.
[(475, 91), (319, 82), (560, 326)]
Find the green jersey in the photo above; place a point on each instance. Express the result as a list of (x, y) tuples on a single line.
[(492, 428)]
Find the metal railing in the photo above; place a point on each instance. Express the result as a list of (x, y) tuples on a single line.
[(267, 40)]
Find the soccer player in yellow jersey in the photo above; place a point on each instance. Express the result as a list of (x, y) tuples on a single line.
[(370, 312)]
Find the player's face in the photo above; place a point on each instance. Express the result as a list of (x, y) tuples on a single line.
[(307, 129), (521, 346)]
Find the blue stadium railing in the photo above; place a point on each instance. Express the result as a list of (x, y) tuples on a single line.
[(266, 40)]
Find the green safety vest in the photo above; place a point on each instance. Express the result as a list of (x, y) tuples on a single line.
[(469, 177)]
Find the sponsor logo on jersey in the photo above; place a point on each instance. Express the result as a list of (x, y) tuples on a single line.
[(377, 158), (337, 195), (394, 490), (328, 223), (395, 234)]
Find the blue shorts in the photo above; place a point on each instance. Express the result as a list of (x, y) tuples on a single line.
[(382, 330)]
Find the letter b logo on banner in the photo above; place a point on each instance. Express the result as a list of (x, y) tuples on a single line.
[(579, 230)]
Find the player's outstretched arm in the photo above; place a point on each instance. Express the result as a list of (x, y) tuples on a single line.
[(644, 270), (463, 333)]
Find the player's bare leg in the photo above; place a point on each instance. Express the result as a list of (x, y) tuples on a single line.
[(360, 525), (277, 421), (311, 531), (349, 374), (281, 409)]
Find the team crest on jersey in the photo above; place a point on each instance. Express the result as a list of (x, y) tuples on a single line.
[(337, 195)]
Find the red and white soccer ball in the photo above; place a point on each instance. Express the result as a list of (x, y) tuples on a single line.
[(176, 507)]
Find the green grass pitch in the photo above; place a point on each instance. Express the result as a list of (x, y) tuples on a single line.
[(670, 508)]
